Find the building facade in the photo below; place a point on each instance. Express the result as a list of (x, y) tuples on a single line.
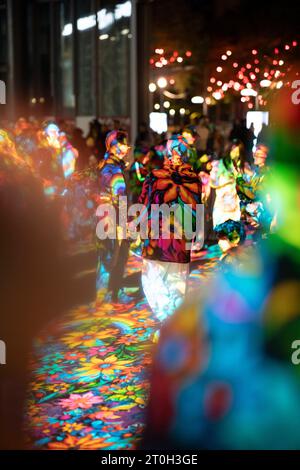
[(73, 59)]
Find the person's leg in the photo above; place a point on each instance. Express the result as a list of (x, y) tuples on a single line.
[(164, 286), (119, 261)]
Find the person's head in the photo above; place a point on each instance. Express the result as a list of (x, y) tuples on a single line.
[(230, 234), (52, 133), (189, 134), (93, 162), (178, 150), (237, 152), (260, 155), (117, 144)]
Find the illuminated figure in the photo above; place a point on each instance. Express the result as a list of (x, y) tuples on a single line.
[(68, 155), (223, 179), (166, 257), (255, 200), (113, 253)]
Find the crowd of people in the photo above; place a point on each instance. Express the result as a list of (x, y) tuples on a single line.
[(75, 175), (186, 168)]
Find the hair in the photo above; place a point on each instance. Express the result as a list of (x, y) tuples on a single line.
[(242, 158), (231, 230)]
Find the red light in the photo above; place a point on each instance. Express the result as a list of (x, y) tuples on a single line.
[(175, 53), (256, 61), (294, 43), (256, 70), (254, 51), (235, 65), (188, 53), (276, 51), (275, 62), (248, 66), (286, 47), (172, 59), (151, 61), (243, 69)]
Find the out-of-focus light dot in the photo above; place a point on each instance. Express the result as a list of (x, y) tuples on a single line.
[(158, 64), (172, 59), (208, 100), (162, 82), (252, 76), (254, 51), (276, 51), (187, 111), (243, 99), (265, 83), (175, 54), (172, 81), (217, 95), (166, 104), (151, 61), (266, 74), (256, 61), (286, 47), (250, 105), (209, 89), (182, 111), (256, 70), (179, 59), (279, 84), (172, 112), (212, 80), (156, 106), (281, 62), (188, 53), (152, 87), (225, 87), (249, 85), (228, 53), (159, 51), (235, 65), (224, 57), (219, 69), (275, 62), (277, 74), (219, 83), (294, 43), (33, 100), (243, 69), (248, 66)]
